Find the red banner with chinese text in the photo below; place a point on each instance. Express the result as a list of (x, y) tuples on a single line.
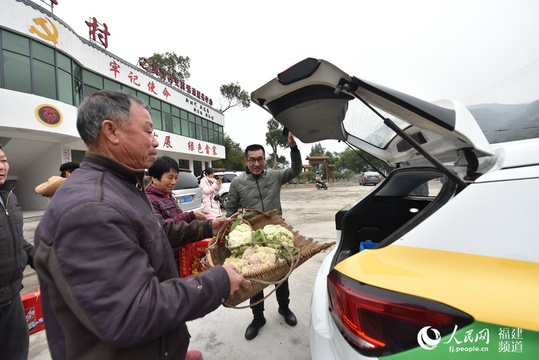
[(191, 257)]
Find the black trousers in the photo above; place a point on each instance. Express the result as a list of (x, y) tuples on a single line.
[(14, 336), (283, 299)]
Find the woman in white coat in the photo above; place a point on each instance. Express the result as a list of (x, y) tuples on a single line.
[(209, 186)]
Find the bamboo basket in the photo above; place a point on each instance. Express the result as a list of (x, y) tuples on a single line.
[(217, 252)]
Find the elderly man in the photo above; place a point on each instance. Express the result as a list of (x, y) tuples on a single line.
[(110, 286), (15, 254)]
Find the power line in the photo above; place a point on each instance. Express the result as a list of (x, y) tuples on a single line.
[(508, 80)]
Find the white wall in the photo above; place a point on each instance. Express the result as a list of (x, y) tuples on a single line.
[(44, 166)]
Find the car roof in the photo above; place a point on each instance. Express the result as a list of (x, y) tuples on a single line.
[(317, 101)]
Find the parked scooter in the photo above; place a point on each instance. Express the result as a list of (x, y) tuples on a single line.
[(320, 184)]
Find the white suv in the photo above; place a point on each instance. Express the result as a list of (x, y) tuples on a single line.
[(227, 176), (419, 274)]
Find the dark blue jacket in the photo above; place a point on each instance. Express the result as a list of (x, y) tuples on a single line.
[(15, 252)]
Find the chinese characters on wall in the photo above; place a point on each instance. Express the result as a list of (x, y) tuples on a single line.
[(192, 146), (99, 31), (173, 79), (155, 88)]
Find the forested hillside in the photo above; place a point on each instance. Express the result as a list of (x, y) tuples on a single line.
[(507, 122)]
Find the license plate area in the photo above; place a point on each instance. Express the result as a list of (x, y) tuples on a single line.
[(186, 199)]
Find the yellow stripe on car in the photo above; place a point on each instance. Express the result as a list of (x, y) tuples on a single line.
[(506, 299)]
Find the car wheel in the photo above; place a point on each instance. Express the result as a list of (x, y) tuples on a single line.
[(223, 201)]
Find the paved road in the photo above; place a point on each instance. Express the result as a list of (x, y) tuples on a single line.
[(221, 334)]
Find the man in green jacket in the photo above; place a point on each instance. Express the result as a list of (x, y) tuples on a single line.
[(260, 189)]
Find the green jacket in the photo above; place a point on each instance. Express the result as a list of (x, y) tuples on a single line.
[(262, 192)]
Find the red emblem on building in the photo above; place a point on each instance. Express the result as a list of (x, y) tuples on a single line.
[(48, 115)]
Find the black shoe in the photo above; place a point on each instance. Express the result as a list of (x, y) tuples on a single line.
[(289, 316), (252, 329)]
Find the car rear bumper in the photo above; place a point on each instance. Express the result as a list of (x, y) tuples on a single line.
[(326, 341)]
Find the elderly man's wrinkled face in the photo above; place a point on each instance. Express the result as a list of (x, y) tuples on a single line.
[(4, 167), (137, 147)]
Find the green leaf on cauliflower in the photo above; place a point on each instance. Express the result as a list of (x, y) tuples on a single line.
[(259, 236), (235, 223), (242, 249)]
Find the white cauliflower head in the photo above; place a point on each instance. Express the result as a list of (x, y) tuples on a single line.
[(242, 234), (253, 259), (279, 234), (247, 258)]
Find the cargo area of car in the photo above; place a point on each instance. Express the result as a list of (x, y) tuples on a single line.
[(394, 207)]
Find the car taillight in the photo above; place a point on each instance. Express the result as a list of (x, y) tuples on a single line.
[(380, 322)]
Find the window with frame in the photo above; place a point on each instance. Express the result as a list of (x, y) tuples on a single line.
[(44, 79), (15, 71), (183, 164), (197, 167), (44, 70), (33, 67), (64, 78)]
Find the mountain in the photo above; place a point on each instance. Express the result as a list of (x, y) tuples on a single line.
[(501, 122)]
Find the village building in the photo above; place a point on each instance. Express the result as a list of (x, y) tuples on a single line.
[(46, 69)]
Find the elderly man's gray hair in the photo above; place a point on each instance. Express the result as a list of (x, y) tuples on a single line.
[(102, 105)]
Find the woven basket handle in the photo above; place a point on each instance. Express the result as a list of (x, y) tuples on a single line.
[(243, 212)]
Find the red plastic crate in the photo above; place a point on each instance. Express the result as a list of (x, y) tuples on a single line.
[(33, 311), (191, 257)]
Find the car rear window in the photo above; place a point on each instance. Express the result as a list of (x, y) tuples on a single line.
[(228, 177), (186, 180)]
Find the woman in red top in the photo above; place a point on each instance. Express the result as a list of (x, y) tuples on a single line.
[(164, 176)]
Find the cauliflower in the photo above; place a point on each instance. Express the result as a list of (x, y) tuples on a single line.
[(253, 259), (242, 234), (279, 234), (247, 257), (237, 262), (257, 255)]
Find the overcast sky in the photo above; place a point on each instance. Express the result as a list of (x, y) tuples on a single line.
[(480, 51)]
